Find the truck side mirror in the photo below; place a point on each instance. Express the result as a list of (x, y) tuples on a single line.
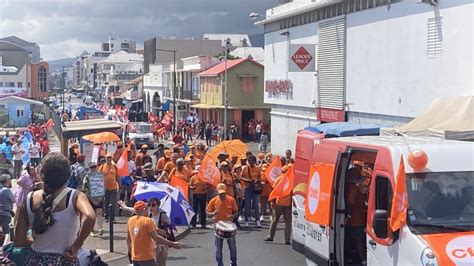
[(380, 223)]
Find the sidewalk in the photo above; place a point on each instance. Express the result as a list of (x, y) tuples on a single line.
[(102, 244)]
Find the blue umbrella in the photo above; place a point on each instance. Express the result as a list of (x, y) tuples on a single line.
[(180, 212), (172, 200)]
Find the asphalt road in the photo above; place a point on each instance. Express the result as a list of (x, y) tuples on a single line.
[(251, 250)]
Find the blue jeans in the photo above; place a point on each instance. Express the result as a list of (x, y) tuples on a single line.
[(232, 248), (251, 200)]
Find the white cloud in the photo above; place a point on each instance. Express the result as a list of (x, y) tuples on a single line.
[(65, 27)]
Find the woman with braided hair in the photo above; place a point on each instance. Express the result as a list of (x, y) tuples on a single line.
[(61, 218)]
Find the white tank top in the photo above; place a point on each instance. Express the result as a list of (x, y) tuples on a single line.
[(62, 234)]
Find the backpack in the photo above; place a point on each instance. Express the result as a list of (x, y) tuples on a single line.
[(72, 181)]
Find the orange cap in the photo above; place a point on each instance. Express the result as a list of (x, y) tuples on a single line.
[(261, 156), (285, 168)]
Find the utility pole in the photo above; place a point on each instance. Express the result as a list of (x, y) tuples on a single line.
[(227, 46)]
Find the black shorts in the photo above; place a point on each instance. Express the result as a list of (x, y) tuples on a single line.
[(97, 204)]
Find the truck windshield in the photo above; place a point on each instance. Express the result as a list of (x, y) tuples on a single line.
[(143, 128), (441, 201)]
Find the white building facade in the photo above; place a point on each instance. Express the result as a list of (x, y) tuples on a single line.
[(364, 61)]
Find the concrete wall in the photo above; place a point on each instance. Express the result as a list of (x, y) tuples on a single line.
[(36, 93), (12, 113), (388, 69), (235, 93), (276, 66)]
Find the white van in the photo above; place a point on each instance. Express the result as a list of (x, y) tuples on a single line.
[(439, 193)]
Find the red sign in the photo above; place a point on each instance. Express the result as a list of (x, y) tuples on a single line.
[(301, 57), (278, 86), (330, 115)]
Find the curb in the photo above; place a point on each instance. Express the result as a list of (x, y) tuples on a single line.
[(183, 234)]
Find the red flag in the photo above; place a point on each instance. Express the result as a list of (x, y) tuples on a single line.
[(285, 186), (273, 171), (209, 172), (180, 184), (122, 164), (398, 215)]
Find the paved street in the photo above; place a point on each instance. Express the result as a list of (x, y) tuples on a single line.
[(251, 250)]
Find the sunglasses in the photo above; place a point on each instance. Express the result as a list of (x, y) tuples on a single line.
[(153, 205)]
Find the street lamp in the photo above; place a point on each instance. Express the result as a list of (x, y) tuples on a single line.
[(174, 85)]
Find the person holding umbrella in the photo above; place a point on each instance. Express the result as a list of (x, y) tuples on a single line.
[(141, 232)]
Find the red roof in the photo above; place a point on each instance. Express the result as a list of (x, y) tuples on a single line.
[(220, 68)]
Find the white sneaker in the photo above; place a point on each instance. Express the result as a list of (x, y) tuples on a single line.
[(246, 224), (258, 224), (262, 219), (240, 218)]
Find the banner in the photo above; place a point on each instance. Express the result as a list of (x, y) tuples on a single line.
[(95, 154), (284, 187), (209, 172), (318, 200), (122, 164), (273, 171), (96, 184), (398, 215), (180, 184)]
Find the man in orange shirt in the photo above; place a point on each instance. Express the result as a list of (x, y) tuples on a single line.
[(160, 164), (282, 206), (111, 185), (223, 208), (227, 178), (169, 166), (180, 171), (139, 160), (199, 192), (141, 231), (251, 175)]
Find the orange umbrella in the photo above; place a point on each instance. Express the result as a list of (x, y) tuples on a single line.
[(233, 147), (102, 137)]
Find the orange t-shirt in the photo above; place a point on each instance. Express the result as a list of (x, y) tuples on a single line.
[(183, 174), (228, 180), (111, 178), (255, 173), (169, 166), (356, 199), (160, 164), (200, 186), (224, 208), (140, 157), (139, 229)]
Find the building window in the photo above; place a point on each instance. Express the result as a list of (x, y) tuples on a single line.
[(247, 85), (20, 112), (11, 84), (20, 84), (42, 79), (1, 84)]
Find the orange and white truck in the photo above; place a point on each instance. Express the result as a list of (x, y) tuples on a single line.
[(418, 194)]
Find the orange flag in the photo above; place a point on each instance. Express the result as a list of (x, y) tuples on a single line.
[(122, 164), (273, 171), (319, 196), (180, 184), (285, 186), (398, 215), (209, 172)]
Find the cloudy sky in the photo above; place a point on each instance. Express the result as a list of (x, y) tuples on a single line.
[(64, 28)]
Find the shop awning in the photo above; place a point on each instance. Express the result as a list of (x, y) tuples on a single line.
[(345, 129), (447, 117), (85, 127)]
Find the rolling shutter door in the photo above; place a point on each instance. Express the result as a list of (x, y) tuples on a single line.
[(331, 66)]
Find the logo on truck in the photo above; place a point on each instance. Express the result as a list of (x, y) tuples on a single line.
[(461, 250), (313, 192)]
